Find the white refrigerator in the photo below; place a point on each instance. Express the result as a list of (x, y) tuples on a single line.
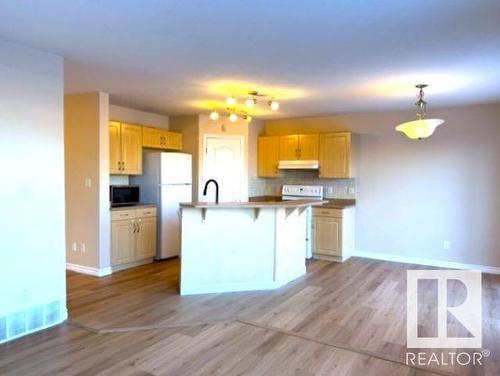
[(166, 181)]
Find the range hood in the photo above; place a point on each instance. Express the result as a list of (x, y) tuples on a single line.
[(298, 165)]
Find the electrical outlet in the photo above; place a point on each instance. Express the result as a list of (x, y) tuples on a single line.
[(74, 247), (351, 191), (446, 245), (329, 190), (83, 247)]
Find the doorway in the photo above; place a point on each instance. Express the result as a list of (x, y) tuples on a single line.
[(223, 161)]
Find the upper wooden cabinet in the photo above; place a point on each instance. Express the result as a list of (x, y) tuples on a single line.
[(289, 147), (299, 147), (125, 149), (161, 139), (114, 148), (308, 146), (174, 140), (332, 150), (268, 156), (152, 138), (335, 155)]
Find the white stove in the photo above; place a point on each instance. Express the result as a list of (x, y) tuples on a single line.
[(302, 192)]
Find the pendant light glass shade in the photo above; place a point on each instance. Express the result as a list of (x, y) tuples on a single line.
[(422, 127), (418, 129)]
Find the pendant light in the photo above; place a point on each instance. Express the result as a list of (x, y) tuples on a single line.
[(422, 127)]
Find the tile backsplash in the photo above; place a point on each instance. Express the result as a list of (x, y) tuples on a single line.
[(119, 180), (332, 188)]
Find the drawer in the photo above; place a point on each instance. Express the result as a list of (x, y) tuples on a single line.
[(123, 214), (146, 212), (327, 212)]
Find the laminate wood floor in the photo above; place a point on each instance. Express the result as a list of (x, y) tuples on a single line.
[(340, 319)]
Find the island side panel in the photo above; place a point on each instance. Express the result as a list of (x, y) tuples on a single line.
[(290, 244), (228, 251)]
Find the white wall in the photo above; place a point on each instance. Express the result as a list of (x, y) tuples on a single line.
[(86, 119), (32, 272), (130, 115), (413, 195)]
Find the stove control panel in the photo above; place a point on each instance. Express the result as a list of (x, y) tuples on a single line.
[(303, 190)]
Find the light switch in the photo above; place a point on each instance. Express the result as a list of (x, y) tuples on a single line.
[(88, 182)]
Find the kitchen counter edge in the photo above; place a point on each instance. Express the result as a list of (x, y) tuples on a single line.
[(253, 204)]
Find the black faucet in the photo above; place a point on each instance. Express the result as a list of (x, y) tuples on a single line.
[(216, 189)]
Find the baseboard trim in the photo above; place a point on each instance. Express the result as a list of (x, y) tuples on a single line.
[(132, 264), (427, 262), (88, 270), (317, 256)]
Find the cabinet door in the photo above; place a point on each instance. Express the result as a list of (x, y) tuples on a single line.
[(334, 155), (268, 156), (327, 236), (114, 148), (122, 241), (146, 238), (289, 147), (131, 149), (152, 138), (174, 140), (308, 145)]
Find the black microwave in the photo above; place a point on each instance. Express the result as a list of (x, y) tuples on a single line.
[(121, 195)]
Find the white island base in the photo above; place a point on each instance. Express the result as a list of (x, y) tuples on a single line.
[(243, 247)]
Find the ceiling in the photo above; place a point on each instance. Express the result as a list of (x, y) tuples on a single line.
[(316, 57)]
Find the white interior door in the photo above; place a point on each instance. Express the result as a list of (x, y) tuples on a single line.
[(224, 162)]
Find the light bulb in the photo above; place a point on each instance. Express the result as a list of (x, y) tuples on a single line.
[(274, 105), (250, 102), (233, 117), (231, 101), (247, 118), (214, 115)]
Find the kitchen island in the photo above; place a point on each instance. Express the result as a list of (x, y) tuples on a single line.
[(242, 246)]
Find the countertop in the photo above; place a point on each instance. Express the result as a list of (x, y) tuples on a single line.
[(339, 203), (332, 203), (132, 207), (253, 204)]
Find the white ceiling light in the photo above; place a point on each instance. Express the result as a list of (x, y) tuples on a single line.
[(231, 101), (214, 115), (251, 102), (233, 117), (274, 105), (422, 127)]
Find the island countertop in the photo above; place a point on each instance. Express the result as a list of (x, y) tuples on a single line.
[(253, 204)]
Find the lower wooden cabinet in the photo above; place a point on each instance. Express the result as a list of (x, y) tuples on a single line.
[(133, 236), (333, 233)]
